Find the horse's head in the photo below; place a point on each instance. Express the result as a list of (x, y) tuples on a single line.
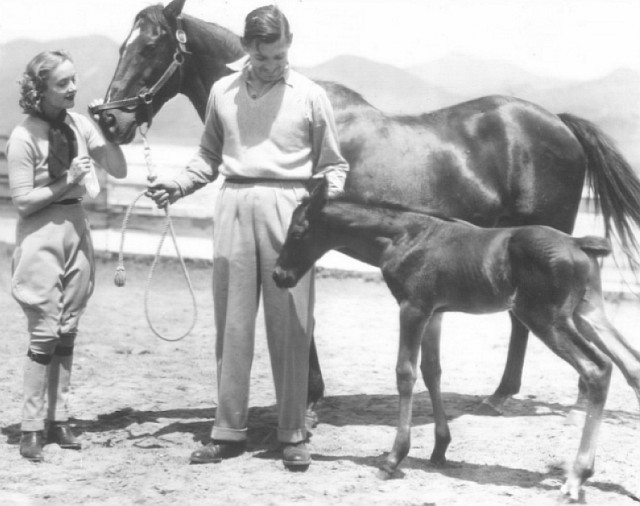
[(148, 72), (306, 239)]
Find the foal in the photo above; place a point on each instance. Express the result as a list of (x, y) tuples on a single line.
[(548, 279)]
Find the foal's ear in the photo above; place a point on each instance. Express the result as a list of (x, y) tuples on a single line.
[(317, 193), (174, 9)]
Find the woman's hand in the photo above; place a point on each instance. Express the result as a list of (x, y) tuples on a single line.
[(164, 193), (95, 103), (80, 167)]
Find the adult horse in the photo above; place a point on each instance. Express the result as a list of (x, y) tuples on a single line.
[(494, 161)]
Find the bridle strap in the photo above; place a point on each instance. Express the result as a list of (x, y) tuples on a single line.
[(146, 97)]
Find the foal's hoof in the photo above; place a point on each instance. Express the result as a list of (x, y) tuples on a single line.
[(488, 408), (386, 472), (576, 418), (572, 493)]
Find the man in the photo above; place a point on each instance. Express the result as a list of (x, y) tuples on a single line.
[(268, 130)]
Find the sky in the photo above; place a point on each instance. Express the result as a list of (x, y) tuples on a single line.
[(581, 39)]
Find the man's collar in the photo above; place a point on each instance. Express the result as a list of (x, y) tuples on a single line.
[(244, 65)]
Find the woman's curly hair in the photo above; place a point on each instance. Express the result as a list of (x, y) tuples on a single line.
[(34, 79)]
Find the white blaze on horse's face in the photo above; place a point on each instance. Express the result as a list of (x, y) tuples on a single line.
[(135, 33)]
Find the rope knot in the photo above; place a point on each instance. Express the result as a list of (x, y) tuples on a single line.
[(120, 277)]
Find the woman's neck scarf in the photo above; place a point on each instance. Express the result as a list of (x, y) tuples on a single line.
[(63, 146)]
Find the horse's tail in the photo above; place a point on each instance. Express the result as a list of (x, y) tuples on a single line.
[(594, 245), (615, 185)]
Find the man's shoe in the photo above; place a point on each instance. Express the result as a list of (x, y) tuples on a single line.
[(213, 453), (60, 433), (31, 445), (296, 455)]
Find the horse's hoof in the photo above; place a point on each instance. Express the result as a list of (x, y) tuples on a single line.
[(439, 461), (310, 419), (488, 408)]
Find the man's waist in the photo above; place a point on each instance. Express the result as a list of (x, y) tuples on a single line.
[(259, 180)]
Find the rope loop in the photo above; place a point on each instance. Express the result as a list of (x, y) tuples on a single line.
[(120, 276)]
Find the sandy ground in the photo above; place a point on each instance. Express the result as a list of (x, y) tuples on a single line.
[(142, 405)]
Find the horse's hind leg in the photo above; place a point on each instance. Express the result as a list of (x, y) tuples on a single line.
[(431, 373), (315, 389), (563, 338), (512, 375), (412, 321)]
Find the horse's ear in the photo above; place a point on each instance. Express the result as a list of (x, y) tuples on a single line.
[(174, 9)]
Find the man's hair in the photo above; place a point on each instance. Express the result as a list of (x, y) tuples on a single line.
[(266, 25), (34, 80)]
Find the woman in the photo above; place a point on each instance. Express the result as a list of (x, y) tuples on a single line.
[(51, 157)]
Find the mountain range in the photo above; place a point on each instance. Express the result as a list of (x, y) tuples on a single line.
[(612, 102)]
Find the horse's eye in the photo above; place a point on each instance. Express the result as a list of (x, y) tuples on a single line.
[(148, 50)]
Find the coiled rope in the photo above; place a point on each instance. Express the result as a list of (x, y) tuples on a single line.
[(120, 276)]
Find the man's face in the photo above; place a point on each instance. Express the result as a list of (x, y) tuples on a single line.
[(269, 61), (61, 88)]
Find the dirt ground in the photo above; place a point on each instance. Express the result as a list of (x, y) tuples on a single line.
[(142, 405)]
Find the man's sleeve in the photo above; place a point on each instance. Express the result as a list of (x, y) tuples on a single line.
[(328, 162)]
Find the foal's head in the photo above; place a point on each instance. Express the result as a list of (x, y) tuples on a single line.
[(307, 239)]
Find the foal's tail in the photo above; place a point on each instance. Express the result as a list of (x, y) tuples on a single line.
[(615, 185), (594, 245)]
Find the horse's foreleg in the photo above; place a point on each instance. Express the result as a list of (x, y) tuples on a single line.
[(315, 388), (431, 373), (512, 376), (412, 322)]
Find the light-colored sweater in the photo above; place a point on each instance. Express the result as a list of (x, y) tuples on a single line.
[(28, 149), (288, 133)]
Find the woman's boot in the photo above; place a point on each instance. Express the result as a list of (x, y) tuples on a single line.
[(36, 373), (58, 414)]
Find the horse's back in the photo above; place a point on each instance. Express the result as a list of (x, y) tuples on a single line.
[(487, 160)]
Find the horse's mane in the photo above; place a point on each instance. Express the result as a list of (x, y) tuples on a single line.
[(224, 36), (340, 92)]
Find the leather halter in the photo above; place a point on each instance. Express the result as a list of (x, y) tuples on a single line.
[(145, 98)]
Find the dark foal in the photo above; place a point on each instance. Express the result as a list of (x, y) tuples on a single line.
[(549, 280)]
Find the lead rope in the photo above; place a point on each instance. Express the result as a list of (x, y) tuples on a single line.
[(120, 276)]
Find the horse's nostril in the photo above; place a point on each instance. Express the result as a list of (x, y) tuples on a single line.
[(109, 120)]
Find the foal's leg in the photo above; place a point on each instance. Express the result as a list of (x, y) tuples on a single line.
[(562, 337), (431, 373), (593, 323), (412, 321), (512, 376)]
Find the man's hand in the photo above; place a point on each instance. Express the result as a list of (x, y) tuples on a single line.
[(163, 193)]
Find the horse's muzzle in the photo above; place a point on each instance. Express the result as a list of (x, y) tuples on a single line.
[(284, 278)]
